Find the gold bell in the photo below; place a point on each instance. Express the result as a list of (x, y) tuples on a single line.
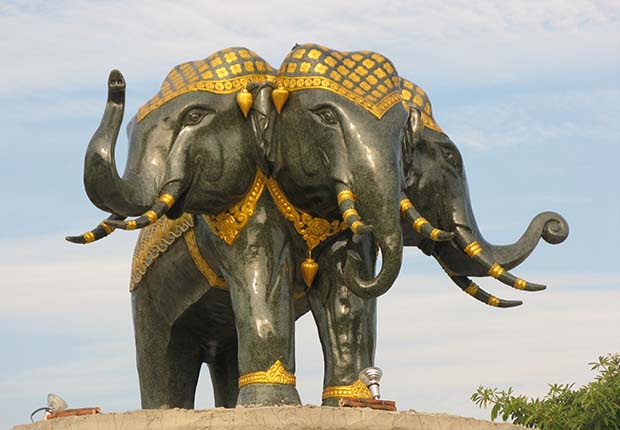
[(279, 97), (244, 100), (309, 268)]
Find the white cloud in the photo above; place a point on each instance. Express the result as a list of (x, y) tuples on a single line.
[(533, 119), (73, 43)]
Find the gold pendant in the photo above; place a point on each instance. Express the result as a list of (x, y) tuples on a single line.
[(309, 269)]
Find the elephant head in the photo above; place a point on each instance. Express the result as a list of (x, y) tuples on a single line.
[(336, 148), (437, 186), (192, 147)]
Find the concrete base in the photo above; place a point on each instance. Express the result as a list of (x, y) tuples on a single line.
[(269, 418)]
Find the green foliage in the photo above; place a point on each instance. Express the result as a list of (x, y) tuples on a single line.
[(595, 406)]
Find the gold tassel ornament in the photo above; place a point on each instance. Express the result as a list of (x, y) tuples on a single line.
[(279, 97), (245, 100)]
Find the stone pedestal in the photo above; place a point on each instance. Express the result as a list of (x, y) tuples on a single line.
[(271, 418)]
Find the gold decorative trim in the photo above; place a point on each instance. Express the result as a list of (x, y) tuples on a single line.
[(419, 223), (435, 234), (429, 122), (493, 301), (378, 109), (473, 249), (131, 225), (229, 223), (405, 205), (153, 241), (151, 215), (520, 284), (108, 228), (350, 212), (345, 195), (357, 390), (472, 289), (414, 96), (89, 237), (223, 72), (363, 77), (167, 199), (356, 225), (201, 263), (496, 270), (313, 230), (276, 374)]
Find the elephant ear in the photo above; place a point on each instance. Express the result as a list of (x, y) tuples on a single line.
[(262, 117)]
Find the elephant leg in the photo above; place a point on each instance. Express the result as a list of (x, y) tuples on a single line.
[(258, 272), (224, 376), (168, 358), (346, 322)]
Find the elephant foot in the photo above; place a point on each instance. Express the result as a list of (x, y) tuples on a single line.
[(332, 401), (268, 395)]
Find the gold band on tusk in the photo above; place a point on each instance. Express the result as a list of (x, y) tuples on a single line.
[(473, 249), (167, 199), (472, 289), (345, 195), (356, 225), (151, 215), (108, 228), (496, 270), (493, 301), (89, 237), (348, 213), (131, 225), (405, 205), (520, 284), (419, 223)]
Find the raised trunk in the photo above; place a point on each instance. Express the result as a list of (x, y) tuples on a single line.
[(104, 187)]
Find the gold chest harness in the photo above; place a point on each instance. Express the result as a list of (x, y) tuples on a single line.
[(313, 230), (155, 239)]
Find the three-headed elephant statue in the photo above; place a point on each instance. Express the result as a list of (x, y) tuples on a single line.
[(263, 194)]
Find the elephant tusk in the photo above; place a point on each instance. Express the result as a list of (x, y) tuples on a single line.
[(162, 205), (475, 251), (105, 228), (474, 290), (346, 203), (421, 225)]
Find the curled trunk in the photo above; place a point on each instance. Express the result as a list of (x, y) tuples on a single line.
[(552, 227), (104, 187)]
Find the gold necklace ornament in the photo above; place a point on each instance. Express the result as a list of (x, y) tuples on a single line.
[(312, 229), (228, 224)]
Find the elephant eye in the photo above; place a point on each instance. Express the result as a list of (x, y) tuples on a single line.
[(194, 116), (327, 116)]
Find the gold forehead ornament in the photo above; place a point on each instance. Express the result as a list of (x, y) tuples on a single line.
[(279, 97), (245, 100)]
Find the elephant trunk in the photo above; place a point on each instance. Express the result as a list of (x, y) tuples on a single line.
[(552, 227), (384, 216), (104, 187), (174, 185)]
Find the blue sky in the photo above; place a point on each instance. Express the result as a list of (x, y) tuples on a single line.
[(529, 91)]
